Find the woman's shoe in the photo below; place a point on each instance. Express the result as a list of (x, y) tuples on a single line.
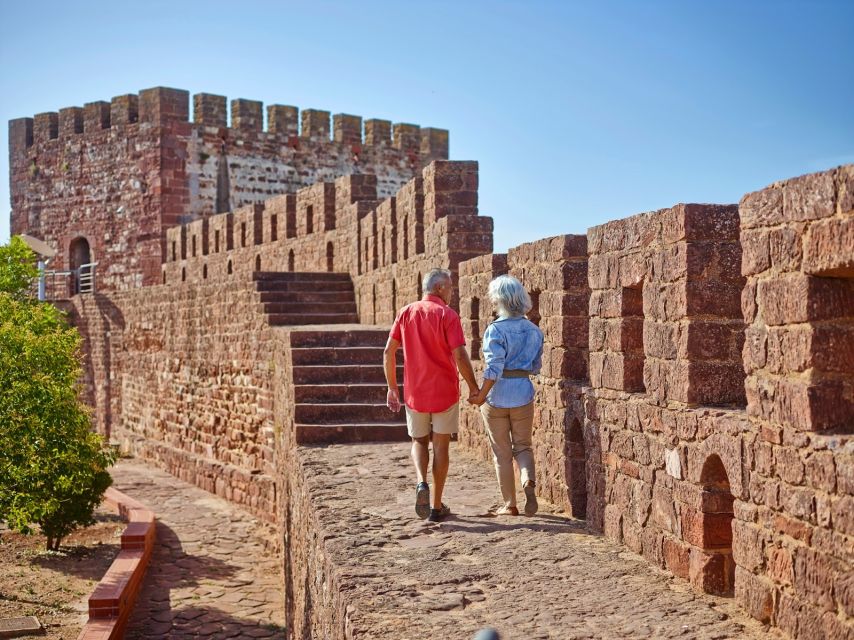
[(531, 505), (507, 511)]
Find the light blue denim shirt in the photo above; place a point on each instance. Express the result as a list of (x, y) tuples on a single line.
[(511, 343)]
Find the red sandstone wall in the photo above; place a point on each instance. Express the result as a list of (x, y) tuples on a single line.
[(386, 246), (794, 539), (120, 173), (755, 503), (182, 373), (554, 271), (752, 502), (182, 376), (74, 175)]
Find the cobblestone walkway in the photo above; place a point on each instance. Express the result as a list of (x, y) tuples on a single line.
[(210, 576), (541, 577)]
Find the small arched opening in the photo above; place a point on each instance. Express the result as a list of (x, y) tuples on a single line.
[(534, 314), (404, 230), (164, 277), (183, 274), (374, 304), (205, 272), (229, 267), (420, 288), (291, 260), (330, 257), (258, 263), (475, 328), (79, 255), (716, 573), (393, 298)]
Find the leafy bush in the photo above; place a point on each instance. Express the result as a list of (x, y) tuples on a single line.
[(17, 268), (53, 467)]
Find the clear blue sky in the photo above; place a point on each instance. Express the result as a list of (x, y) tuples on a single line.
[(579, 112)]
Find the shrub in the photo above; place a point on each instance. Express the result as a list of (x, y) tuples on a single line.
[(53, 467)]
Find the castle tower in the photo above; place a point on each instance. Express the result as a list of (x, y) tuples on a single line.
[(102, 183)]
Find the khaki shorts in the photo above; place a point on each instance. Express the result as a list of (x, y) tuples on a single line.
[(420, 424)]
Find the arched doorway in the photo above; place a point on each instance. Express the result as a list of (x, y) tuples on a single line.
[(330, 257), (79, 255), (716, 573), (291, 260)]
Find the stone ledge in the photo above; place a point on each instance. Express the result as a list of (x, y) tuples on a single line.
[(113, 598)]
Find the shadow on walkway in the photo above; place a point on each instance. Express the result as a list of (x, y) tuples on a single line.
[(158, 614)]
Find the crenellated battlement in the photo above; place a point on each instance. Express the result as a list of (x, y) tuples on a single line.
[(114, 174), (316, 211), (386, 245), (161, 104)]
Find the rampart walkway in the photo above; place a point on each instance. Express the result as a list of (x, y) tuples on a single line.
[(210, 576), (541, 577)]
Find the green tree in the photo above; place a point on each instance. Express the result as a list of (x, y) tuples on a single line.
[(17, 268), (53, 467)]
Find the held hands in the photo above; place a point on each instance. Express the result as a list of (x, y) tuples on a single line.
[(392, 400), (476, 397)]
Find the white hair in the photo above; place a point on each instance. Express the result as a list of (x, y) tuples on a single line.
[(434, 278), (509, 295)]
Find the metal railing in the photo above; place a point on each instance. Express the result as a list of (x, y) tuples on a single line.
[(86, 278), (56, 284)]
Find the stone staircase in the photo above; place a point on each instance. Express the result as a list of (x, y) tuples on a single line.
[(339, 387), (294, 298)]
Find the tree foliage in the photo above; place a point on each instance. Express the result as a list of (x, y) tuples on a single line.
[(53, 467), (17, 268)]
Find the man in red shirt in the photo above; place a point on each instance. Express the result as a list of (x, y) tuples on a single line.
[(434, 350)]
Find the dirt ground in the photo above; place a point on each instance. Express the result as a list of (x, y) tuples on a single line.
[(55, 587)]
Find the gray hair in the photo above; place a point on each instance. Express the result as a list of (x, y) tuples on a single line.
[(509, 295), (434, 278)]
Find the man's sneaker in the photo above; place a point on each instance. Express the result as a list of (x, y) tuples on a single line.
[(531, 505), (437, 515), (422, 500)]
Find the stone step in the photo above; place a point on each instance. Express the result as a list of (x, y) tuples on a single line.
[(299, 276), (349, 338), (310, 286), (350, 374), (344, 413), (307, 296), (338, 393), (363, 432), (337, 355), (281, 319), (311, 308)]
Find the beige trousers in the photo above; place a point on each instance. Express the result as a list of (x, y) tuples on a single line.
[(509, 432)]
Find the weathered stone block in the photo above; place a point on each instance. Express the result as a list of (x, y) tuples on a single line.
[(755, 594), (711, 572)]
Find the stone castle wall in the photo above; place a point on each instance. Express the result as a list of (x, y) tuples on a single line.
[(385, 245), (739, 483), (554, 271), (118, 174), (182, 373)]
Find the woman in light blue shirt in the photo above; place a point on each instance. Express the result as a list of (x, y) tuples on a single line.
[(512, 353)]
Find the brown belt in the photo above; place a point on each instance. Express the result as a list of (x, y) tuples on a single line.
[(515, 373)]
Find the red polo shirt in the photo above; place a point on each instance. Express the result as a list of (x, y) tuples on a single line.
[(429, 331)]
